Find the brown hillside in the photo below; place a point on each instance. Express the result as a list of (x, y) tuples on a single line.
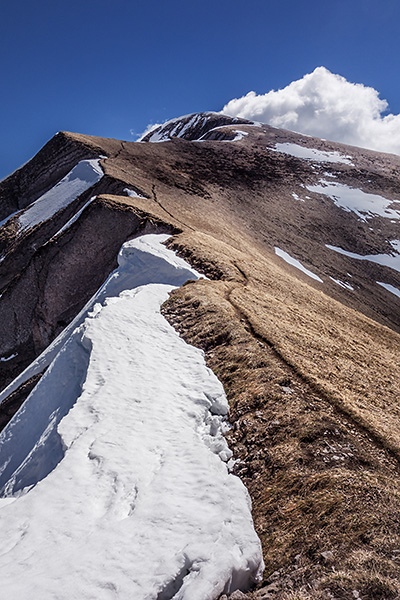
[(310, 368)]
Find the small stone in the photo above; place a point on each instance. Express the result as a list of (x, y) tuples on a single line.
[(238, 595), (273, 587), (328, 555), (275, 575), (356, 594)]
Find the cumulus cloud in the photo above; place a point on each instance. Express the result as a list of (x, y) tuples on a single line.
[(328, 106)]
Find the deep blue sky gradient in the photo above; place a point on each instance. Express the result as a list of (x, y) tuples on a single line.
[(106, 67)]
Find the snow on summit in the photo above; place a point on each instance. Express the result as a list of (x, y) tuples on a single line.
[(121, 488)]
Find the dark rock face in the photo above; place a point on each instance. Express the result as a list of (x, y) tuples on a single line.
[(61, 277), (41, 173)]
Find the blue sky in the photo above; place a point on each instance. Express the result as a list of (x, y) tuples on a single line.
[(106, 68)]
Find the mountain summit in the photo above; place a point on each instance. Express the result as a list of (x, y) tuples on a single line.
[(298, 316)]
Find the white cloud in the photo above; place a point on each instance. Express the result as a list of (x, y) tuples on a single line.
[(328, 106)]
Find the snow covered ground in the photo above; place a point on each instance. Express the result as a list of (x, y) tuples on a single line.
[(85, 174), (295, 263), (390, 288), (387, 260), (311, 153), (114, 475), (354, 200), (342, 284)]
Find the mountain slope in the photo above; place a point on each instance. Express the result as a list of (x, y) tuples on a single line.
[(306, 349)]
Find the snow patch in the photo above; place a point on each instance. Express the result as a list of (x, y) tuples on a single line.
[(390, 288), (118, 478), (75, 217), (296, 197), (343, 284), (354, 200), (133, 194), (7, 358), (295, 263), (85, 174), (386, 260), (239, 135), (312, 154)]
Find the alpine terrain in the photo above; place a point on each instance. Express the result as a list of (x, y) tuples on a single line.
[(199, 373)]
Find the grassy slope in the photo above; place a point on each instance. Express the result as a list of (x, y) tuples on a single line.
[(312, 385), (314, 457)]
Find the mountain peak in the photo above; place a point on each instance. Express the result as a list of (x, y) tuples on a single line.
[(192, 127)]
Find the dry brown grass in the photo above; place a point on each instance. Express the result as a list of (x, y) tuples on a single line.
[(308, 381), (312, 383)]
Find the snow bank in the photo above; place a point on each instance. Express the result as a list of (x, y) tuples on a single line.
[(85, 174), (122, 443), (311, 153), (353, 200), (295, 263)]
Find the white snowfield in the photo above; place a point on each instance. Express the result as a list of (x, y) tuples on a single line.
[(295, 263), (354, 200), (85, 174), (114, 475), (312, 154)]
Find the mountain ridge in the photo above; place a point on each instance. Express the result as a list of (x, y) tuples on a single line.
[(302, 361)]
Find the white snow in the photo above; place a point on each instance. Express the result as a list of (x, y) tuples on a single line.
[(395, 245), (393, 262), (75, 217), (133, 194), (311, 153), (390, 288), (85, 174), (342, 284), (354, 200), (296, 197), (239, 135), (112, 473), (7, 358), (295, 263)]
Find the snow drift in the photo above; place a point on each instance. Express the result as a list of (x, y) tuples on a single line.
[(114, 476)]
